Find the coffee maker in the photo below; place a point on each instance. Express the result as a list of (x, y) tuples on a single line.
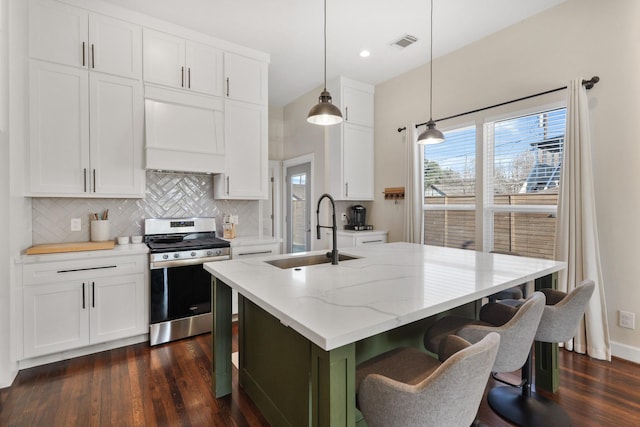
[(358, 219)]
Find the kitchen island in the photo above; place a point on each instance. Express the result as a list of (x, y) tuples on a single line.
[(302, 330)]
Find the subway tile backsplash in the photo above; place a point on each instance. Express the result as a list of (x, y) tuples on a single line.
[(168, 195)]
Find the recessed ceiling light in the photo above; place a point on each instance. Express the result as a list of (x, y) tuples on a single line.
[(365, 53)]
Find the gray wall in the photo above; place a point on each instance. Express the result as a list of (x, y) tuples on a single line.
[(577, 38)]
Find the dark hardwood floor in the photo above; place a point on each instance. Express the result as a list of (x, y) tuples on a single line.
[(169, 385)]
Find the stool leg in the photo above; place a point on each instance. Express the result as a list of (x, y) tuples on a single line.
[(526, 408)]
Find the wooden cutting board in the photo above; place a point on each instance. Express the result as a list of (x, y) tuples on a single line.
[(52, 248)]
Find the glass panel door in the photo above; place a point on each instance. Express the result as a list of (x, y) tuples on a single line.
[(299, 208)]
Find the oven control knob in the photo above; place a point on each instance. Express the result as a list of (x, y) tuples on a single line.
[(218, 251), (209, 253), (176, 255), (193, 254), (165, 256)]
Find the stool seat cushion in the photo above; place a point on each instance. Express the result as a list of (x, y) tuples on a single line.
[(406, 365)]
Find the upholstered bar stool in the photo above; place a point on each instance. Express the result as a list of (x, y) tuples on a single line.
[(517, 327), (406, 387), (559, 323)]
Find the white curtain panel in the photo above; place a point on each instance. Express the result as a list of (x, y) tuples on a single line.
[(413, 191), (576, 228)]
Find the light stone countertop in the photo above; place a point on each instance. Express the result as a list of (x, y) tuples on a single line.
[(118, 250), (390, 285)]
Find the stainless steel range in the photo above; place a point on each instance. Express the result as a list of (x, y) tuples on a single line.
[(180, 287)]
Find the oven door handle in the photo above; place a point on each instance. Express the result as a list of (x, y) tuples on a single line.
[(182, 262)]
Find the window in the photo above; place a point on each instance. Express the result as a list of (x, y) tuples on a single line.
[(523, 174), (520, 173), (450, 190)]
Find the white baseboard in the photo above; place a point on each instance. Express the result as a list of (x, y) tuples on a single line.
[(624, 351), (70, 354)]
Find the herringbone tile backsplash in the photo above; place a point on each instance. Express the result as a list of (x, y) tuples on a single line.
[(169, 195)]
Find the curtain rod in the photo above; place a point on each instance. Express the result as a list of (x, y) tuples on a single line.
[(588, 84)]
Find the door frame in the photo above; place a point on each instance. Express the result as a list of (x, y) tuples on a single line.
[(296, 161)]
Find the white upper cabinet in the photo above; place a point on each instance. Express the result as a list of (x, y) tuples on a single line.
[(357, 104), (204, 68), (59, 128), (246, 153), (175, 62), (357, 162), (245, 79), (351, 144), (71, 36), (85, 133), (116, 113)]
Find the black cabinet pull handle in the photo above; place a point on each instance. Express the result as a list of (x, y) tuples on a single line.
[(94, 180), (93, 56), (85, 180), (255, 253), (83, 296), (182, 76), (93, 294), (85, 269), (83, 54), (227, 86), (189, 77)]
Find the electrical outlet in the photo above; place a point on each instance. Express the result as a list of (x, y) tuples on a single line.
[(344, 217), (627, 319), (76, 224)]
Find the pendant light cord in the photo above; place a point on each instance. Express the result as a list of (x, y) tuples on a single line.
[(325, 45), (430, 68)]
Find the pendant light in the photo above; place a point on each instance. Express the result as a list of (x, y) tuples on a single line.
[(431, 135), (324, 112)]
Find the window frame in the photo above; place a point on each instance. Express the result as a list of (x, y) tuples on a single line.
[(484, 207)]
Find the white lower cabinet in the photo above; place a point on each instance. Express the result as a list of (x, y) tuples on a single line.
[(69, 306), (350, 239)]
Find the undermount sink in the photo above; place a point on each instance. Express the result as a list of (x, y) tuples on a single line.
[(304, 261)]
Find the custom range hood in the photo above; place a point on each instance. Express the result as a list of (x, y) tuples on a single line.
[(184, 131)]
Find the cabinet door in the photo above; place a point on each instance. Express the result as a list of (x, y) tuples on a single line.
[(246, 79), (163, 58), (246, 163), (357, 162), (56, 317), (358, 106), (58, 128), (115, 46), (117, 308), (204, 69), (116, 114), (58, 33)]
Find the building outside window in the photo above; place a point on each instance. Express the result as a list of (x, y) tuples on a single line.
[(514, 210)]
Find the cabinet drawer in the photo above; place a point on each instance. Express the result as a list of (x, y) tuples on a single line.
[(59, 271), (254, 251), (371, 239)]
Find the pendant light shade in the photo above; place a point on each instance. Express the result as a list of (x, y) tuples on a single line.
[(431, 135), (324, 112)]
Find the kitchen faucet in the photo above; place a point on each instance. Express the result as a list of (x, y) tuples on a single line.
[(334, 252)]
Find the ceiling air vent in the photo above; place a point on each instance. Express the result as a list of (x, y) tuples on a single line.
[(405, 41)]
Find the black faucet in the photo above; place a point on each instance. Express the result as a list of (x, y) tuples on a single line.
[(334, 252)]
